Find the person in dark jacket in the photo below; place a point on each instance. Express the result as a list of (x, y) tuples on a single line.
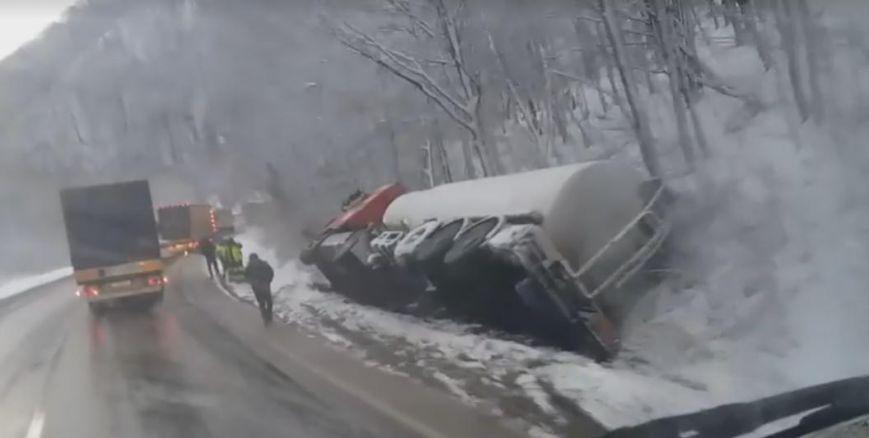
[(207, 249), (259, 274)]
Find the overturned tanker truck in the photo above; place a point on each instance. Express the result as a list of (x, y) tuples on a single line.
[(552, 253)]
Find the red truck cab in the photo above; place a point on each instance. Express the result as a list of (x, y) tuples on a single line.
[(368, 211)]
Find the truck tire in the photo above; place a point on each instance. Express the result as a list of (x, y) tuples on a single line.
[(431, 251), (468, 243)]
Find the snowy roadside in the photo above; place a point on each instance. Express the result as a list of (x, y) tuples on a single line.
[(554, 390), (17, 285)]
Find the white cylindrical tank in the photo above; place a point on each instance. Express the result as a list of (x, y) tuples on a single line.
[(583, 205)]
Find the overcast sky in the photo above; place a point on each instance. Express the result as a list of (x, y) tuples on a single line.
[(23, 20)]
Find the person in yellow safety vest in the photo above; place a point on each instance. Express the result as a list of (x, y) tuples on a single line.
[(234, 260), (235, 256), (222, 251)]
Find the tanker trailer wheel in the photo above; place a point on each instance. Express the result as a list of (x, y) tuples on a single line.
[(467, 244), (429, 253), (475, 279)]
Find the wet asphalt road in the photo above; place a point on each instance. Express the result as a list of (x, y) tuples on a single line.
[(167, 372)]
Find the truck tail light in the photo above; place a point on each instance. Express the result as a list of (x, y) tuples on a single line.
[(87, 291), (155, 281)]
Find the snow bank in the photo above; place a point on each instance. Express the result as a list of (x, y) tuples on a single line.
[(19, 285)]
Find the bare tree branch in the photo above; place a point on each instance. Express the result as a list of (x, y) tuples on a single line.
[(420, 85), (403, 7), (585, 81), (514, 92), (410, 68), (454, 49), (638, 119)]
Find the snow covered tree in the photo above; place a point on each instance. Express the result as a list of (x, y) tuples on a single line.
[(445, 78), (638, 116)]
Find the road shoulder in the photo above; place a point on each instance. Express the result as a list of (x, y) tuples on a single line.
[(394, 405)]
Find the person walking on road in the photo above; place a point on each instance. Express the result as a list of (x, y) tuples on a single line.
[(259, 274), (206, 247)]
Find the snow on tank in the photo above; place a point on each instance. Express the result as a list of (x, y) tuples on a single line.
[(582, 205)]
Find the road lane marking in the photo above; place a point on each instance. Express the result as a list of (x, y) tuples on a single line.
[(36, 425)]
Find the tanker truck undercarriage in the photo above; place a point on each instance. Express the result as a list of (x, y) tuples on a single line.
[(510, 270)]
